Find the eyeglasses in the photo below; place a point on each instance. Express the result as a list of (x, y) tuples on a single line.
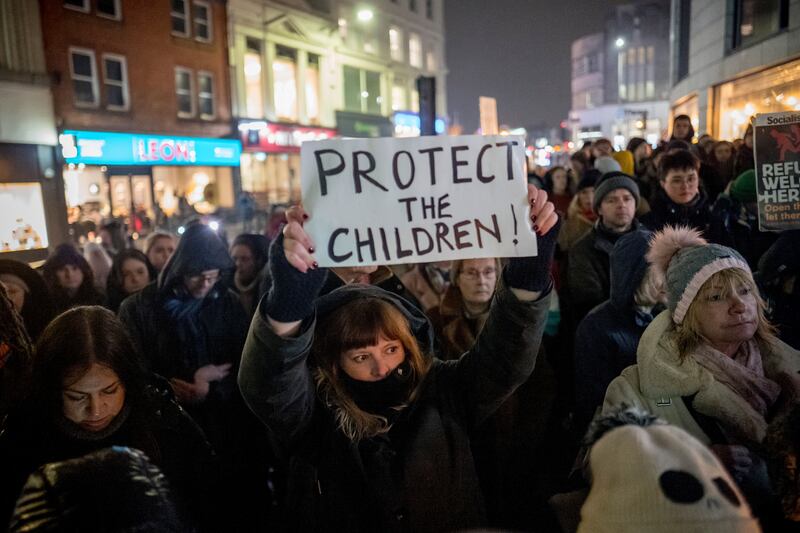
[(474, 275), (201, 279)]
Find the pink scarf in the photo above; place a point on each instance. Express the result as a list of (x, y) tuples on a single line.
[(743, 373)]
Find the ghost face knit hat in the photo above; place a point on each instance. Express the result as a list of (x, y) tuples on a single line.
[(660, 479), (687, 261)]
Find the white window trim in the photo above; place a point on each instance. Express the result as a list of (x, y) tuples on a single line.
[(208, 21), (123, 84), (183, 114), (117, 8), (213, 114), (186, 16), (85, 9), (95, 89)]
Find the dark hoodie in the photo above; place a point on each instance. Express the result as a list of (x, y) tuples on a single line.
[(67, 254), (37, 311), (421, 475), (606, 340), (178, 334), (664, 211)]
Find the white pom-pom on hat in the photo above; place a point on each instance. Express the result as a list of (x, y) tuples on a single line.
[(668, 242)]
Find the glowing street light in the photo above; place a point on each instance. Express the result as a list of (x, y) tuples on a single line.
[(364, 15), (620, 42)]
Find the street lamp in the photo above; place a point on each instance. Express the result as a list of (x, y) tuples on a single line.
[(620, 42), (364, 15)]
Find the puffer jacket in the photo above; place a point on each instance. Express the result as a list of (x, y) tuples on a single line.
[(606, 339), (427, 480)]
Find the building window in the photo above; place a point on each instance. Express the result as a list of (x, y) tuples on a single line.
[(621, 71), (205, 95), (362, 91), (429, 9), (115, 81), (754, 20), (284, 74), (109, 9), (414, 50), (399, 94), (253, 80), (84, 77), (184, 91), (312, 89), (180, 17), (396, 43), (77, 5), (683, 19), (430, 61), (201, 12), (412, 5)]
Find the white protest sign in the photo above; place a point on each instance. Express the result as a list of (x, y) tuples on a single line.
[(392, 200)]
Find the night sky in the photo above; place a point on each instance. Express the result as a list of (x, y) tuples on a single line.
[(517, 51)]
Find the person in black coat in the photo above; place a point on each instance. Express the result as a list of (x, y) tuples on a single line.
[(679, 201), (779, 280), (191, 327), (606, 340), (734, 221), (28, 292), (16, 356), (89, 391), (70, 279), (375, 430), (251, 280), (130, 273)]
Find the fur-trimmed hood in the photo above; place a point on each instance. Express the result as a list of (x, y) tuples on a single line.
[(663, 375)]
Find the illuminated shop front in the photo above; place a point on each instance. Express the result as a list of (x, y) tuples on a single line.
[(270, 162), (771, 90), (146, 179), (407, 124)]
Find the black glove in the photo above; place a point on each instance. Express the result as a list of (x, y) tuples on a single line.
[(533, 273), (292, 294)]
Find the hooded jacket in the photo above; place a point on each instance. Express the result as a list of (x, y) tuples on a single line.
[(606, 339), (420, 476), (178, 334), (664, 211)]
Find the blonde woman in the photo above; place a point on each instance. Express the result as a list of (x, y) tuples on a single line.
[(711, 363)]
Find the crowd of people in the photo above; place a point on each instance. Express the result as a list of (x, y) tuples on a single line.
[(639, 374)]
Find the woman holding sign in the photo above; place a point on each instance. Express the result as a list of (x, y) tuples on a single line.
[(376, 431)]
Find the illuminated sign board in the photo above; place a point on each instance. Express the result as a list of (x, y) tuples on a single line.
[(103, 148), (407, 124), (263, 136)]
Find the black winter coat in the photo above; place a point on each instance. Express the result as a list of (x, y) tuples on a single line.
[(588, 270), (732, 225), (213, 334), (156, 425), (664, 211), (421, 475), (606, 340)]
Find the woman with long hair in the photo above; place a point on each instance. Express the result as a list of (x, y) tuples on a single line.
[(376, 431), (88, 392), (70, 279), (130, 273)]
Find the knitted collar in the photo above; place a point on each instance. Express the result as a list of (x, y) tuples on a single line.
[(76, 432)]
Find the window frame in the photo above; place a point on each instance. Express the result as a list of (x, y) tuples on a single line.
[(211, 95), (94, 78), (401, 56), (86, 9), (124, 83), (183, 114), (187, 17), (117, 8), (421, 56), (208, 21), (429, 10)]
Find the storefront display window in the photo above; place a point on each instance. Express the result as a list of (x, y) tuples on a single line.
[(769, 91), (22, 220), (271, 178)]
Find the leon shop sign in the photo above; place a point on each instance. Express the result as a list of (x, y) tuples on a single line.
[(423, 199)]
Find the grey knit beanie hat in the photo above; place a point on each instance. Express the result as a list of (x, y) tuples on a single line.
[(611, 182), (687, 261)]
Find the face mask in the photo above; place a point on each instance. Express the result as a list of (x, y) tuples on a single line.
[(378, 397)]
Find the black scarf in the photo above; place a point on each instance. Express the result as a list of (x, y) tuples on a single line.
[(380, 397)]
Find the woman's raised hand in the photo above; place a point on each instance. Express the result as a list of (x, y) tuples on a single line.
[(543, 212), (297, 245)]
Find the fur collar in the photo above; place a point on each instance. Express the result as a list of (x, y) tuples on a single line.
[(662, 375)]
